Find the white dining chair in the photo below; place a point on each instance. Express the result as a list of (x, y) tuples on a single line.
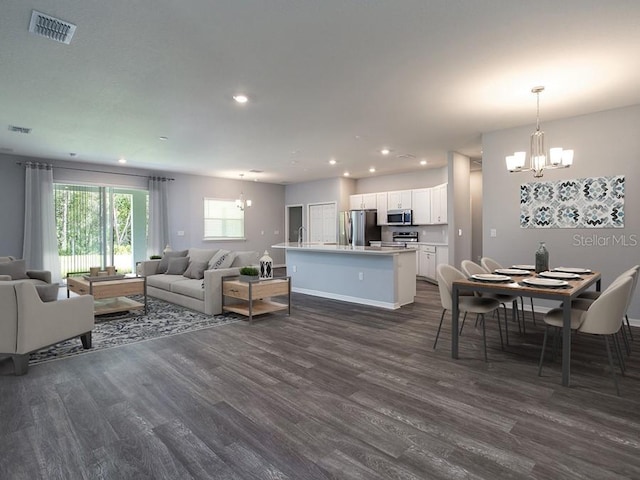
[(635, 272), (604, 317), (447, 274), (584, 302), (491, 265), (471, 268)]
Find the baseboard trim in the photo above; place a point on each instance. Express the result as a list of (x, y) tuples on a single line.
[(347, 298)]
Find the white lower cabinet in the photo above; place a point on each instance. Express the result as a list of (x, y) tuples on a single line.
[(427, 263), (429, 257)]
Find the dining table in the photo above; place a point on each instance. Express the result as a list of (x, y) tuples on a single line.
[(529, 284)]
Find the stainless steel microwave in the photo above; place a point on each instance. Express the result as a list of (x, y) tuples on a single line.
[(399, 217)]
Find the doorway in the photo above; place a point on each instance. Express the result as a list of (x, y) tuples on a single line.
[(293, 222)]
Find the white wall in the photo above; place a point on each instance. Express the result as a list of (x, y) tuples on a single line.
[(605, 143), (459, 208), (11, 206), (476, 215)]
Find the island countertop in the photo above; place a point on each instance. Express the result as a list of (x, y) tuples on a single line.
[(345, 249), (377, 276)]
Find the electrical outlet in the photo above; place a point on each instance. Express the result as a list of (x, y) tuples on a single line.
[(361, 276), (261, 232), (181, 233), (295, 268), (459, 232), (494, 233)]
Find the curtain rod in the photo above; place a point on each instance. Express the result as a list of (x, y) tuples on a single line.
[(100, 171)]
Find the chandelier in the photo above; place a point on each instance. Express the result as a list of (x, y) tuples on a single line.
[(241, 203), (538, 158)]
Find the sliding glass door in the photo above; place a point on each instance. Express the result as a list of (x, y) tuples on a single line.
[(100, 226)]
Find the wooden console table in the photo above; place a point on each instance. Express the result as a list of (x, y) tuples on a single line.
[(110, 296), (256, 295)]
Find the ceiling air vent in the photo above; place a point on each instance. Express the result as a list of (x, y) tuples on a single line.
[(13, 128), (253, 170), (51, 27)]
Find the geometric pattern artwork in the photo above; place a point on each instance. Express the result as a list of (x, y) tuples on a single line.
[(596, 202)]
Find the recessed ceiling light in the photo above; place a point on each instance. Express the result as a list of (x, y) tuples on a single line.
[(332, 161), (240, 98), (385, 151), (346, 174), (122, 160), (163, 138), (423, 162), (372, 169)]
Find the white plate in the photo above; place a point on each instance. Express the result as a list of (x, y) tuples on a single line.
[(545, 282), (490, 277), (572, 270), (512, 271), (525, 267), (559, 275)]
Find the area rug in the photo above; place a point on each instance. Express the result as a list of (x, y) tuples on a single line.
[(110, 331)]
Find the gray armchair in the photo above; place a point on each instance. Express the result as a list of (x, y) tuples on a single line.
[(28, 324)]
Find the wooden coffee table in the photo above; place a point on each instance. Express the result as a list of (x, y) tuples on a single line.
[(255, 295), (110, 296)]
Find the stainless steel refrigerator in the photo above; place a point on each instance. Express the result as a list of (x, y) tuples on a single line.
[(359, 227)]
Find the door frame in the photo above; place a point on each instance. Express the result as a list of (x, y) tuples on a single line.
[(286, 218)]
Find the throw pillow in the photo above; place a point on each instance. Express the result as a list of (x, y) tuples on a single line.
[(164, 263), (15, 269), (195, 270), (201, 254), (222, 259), (48, 293), (246, 259), (177, 265)]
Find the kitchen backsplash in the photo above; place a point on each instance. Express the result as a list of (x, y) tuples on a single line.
[(426, 233)]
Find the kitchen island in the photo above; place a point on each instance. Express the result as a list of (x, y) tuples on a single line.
[(378, 276)]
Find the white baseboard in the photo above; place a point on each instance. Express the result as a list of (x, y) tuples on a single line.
[(347, 298)]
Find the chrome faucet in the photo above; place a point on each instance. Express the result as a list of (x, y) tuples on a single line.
[(300, 234)]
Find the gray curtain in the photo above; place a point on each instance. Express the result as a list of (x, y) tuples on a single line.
[(40, 245), (158, 215)]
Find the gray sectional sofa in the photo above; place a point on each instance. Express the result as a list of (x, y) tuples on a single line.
[(197, 288), (14, 269)]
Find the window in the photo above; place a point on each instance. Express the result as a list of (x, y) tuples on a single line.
[(222, 219)]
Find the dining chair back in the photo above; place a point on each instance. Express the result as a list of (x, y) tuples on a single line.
[(489, 264), (472, 268), (447, 274), (604, 316)]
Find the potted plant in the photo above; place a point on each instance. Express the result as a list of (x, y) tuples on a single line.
[(248, 274)]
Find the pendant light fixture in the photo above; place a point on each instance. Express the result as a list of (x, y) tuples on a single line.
[(538, 158), (241, 203)]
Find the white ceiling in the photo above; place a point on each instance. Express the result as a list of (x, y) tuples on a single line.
[(326, 78)]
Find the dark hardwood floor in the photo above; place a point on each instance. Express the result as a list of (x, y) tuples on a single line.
[(336, 391)]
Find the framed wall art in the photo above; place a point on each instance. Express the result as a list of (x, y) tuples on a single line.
[(596, 202)]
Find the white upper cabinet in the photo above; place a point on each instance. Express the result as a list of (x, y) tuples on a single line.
[(421, 204), (400, 199), (381, 201), (363, 201), (439, 204)]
